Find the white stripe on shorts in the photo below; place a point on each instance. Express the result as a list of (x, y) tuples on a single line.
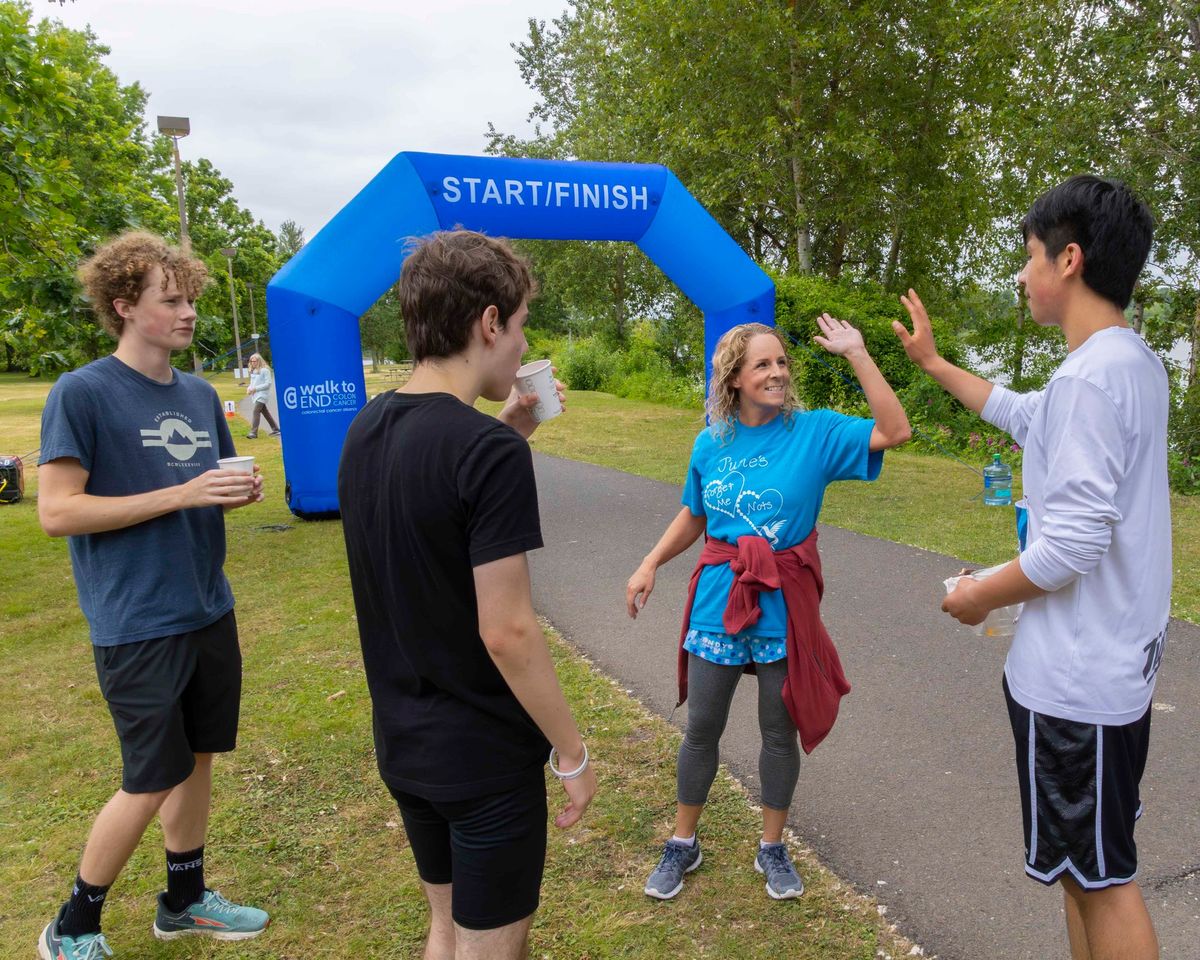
[(1099, 793), (1033, 810)]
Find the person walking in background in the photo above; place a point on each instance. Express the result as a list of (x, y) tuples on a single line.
[(754, 487), (129, 474), (1095, 574), (260, 390), (439, 506)]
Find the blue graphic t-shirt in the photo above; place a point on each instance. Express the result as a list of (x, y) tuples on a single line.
[(769, 481), (133, 435)]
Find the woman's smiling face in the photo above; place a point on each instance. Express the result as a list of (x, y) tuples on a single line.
[(762, 379)]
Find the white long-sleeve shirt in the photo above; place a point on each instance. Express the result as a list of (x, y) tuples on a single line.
[(1095, 477), (260, 383)]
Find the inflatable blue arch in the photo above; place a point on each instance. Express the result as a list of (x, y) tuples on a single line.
[(314, 302)]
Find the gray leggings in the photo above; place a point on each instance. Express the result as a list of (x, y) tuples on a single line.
[(710, 693)]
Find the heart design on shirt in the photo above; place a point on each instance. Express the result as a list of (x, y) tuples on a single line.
[(721, 495), (761, 511)]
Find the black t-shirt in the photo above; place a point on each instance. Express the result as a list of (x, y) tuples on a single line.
[(430, 488)]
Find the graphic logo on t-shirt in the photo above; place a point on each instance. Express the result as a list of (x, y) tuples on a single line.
[(175, 432), (1154, 654), (760, 510)]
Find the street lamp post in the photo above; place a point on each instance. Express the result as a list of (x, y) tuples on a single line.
[(175, 128), (253, 321), (229, 253)]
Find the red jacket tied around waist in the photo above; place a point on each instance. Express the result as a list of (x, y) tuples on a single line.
[(815, 682)]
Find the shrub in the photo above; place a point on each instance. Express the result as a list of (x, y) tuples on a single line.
[(586, 365)]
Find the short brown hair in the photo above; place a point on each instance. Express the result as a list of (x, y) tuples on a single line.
[(118, 270), (449, 279)]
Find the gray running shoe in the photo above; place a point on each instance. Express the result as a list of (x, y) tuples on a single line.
[(783, 882), (676, 860)]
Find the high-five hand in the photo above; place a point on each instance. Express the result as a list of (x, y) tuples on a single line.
[(839, 337), (919, 345)]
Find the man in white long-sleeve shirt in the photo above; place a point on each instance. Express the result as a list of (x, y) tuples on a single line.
[(1096, 574)]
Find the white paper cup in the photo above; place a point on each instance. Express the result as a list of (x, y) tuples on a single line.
[(238, 464), (537, 377)]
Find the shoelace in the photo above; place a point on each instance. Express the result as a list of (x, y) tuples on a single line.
[(671, 854), (776, 860), (96, 948), (215, 902)]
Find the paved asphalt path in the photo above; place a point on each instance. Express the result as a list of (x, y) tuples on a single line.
[(912, 798)]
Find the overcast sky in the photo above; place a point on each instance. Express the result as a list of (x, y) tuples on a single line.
[(301, 102)]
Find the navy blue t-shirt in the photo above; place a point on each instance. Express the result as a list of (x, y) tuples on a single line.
[(133, 435)]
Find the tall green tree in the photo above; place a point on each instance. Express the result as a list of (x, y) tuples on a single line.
[(849, 139), (72, 169), (290, 239)]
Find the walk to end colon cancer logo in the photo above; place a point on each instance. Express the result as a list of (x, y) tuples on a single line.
[(326, 396)]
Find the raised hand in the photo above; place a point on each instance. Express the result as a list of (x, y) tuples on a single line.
[(838, 337), (919, 345)]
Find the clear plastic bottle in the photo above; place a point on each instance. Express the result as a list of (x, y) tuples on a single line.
[(997, 483)]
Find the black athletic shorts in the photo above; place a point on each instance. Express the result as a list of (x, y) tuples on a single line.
[(492, 848), (1079, 795), (171, 698)]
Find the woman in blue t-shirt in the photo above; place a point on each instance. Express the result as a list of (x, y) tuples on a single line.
[(755, 483)]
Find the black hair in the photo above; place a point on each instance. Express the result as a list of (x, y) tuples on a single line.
[(1111, 225)]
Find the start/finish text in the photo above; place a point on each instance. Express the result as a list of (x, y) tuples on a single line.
[(546, 193)]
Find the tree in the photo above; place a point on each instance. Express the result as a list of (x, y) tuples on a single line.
[(853, 140), (382, 329), (291, 239), (72, 170)]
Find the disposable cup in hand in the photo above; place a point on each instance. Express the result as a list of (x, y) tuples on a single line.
[(1001, 622), (237, 464), (537, 377)]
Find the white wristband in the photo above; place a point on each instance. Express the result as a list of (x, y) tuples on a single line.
[(572, 774)]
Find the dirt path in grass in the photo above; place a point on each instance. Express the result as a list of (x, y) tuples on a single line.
[(912, 798)]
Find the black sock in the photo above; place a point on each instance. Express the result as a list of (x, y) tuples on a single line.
[(185, 879), (82, 913)]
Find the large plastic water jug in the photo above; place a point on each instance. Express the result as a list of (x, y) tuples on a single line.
[(997, 483)]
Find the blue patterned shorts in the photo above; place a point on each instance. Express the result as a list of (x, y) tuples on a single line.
[(734, 651)]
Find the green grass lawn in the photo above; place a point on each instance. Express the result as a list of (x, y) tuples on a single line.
[(302, 825)]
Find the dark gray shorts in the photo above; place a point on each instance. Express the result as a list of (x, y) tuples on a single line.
[(171, 698)]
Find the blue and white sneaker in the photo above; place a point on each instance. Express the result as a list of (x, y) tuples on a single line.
[(211, 916), (676, 860), (52, 945), (783, 882)]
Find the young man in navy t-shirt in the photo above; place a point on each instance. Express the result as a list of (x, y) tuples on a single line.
[(128, 473), (1095, 576), (439, 506)]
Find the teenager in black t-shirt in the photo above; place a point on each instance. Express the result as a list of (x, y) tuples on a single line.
[(439, 505)]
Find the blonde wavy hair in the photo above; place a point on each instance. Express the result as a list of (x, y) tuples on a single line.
[(729, 356)]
